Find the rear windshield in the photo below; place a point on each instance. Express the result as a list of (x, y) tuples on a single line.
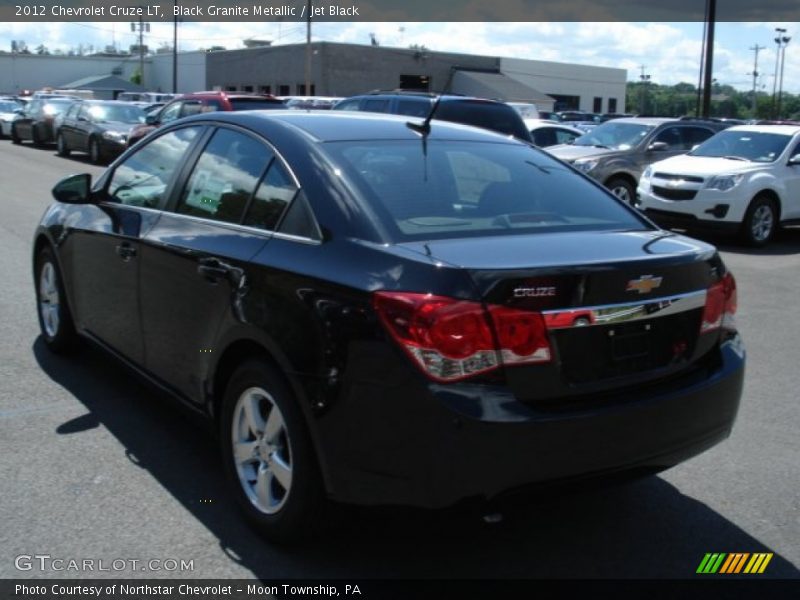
[(255, 104), (489, 115), (451, 189)]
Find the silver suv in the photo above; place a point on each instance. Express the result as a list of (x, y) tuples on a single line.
[(618, 151)]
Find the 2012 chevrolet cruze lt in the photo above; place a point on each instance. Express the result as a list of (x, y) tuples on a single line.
[(382, 312)]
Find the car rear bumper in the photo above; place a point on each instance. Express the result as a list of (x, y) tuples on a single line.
[(395, 440)]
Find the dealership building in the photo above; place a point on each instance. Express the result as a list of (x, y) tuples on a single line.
[(336, 70)]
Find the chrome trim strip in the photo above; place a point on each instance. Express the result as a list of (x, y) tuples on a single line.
[(235, 226), (588, 316)]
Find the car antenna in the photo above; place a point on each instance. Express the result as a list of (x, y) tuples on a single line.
[(424, 128)]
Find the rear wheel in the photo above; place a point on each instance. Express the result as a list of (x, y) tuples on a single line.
[(35, 137), (268, 455), (61, 146), (622, 189), (55, 320), (760, 221)]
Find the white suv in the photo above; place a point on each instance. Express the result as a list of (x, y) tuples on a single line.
[(743, 180)]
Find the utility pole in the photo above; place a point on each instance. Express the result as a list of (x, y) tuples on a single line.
[(142, 28), (645, 79), (711, 16), (308, 48), (755, 49), (778, 40), (175, 48)]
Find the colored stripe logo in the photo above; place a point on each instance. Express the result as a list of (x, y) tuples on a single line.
[(734, 562)]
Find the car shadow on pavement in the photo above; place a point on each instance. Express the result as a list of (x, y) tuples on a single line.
[(646, 529)]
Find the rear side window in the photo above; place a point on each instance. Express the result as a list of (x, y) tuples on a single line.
[(224, 178), (271, 199), (351, 104), (488, 115), (414, 108), (471, 189), (376, 105), (143, 178), (255, 104)]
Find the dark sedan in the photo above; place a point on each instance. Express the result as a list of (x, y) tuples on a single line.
[(98, 128), (378, 313), (36, 121)]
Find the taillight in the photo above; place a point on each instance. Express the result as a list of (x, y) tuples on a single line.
[(451, 339), (720, 309)]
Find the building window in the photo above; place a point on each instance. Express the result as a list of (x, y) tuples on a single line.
[(248, 89), (598, 104), (284, 90), (612, 105), (301, 90), (415, 82), (230, 88), (265, 89), (563, 102)]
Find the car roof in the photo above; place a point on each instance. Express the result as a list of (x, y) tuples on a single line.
[(539, 123), (782, 129), (648, 120), (327, 126)]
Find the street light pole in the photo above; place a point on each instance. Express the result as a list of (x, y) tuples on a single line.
[(755, 49), (785, 39), (780, 31)]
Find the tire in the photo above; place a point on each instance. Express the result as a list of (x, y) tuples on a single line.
[(95, 156), (15, 139), (622, 189), (274, 474), (55, 318), (760, 222), (37, 141), (61, 146)]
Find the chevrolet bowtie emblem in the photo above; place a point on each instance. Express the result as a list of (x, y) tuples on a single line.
[(644, 285)]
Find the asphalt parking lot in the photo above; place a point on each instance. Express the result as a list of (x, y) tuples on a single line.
[(97, 465)]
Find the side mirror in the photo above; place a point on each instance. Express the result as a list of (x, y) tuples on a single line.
[(151, 119), (75, 189), (658, 147), (19, 111), (794, 160)]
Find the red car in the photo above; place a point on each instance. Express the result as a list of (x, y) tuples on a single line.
[(200, 102)]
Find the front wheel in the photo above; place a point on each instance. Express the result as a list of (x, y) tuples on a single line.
[(55, 320), (622, 189), (61, 146), (760, 221), (268, 456), (95, 156), (15, 139)]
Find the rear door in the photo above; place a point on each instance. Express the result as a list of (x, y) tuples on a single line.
[(195, 261)]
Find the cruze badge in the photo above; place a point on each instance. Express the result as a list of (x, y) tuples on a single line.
[(535, 292), (644, 285)]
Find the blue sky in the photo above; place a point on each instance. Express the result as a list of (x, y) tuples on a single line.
[(669, 51)]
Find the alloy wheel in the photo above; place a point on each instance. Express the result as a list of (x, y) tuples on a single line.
[(261, 450), (49, 300), (762, 223)]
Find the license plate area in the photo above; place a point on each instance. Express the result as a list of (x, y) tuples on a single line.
[(630, 345)]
